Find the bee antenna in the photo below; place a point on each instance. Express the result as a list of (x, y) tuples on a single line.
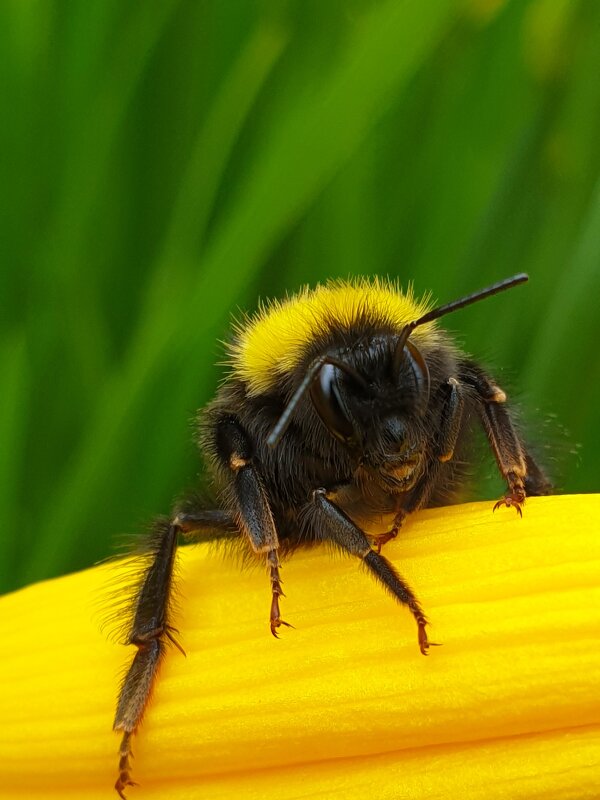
[(441, 311), (284, 420)]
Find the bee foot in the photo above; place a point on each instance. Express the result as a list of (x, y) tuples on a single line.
[(126, 754), (424, 643), (276, 623), (384, 538), (508, 501), (123, 781)]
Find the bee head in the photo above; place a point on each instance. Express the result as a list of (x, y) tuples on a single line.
[(374, 397), (385, 378)]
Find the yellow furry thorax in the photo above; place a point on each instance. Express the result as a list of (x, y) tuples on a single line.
[(270, 343)]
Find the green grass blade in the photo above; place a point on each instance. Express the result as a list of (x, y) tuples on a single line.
[(303, 152)]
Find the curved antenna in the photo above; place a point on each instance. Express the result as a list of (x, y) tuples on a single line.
[(441, 311), (284, 420)]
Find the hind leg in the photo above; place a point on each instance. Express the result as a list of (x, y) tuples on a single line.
[(151, 630)]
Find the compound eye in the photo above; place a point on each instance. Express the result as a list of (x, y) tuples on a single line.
[(421, 375), (328, 404)]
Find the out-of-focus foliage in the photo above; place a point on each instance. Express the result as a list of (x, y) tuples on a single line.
[(166, 163)]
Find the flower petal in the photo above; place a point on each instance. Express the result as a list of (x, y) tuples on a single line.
[(345, 705)]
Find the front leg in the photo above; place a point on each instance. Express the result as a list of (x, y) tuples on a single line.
[(333, 525), (380, 539), (517, 466), (254, 516), (443, 451)]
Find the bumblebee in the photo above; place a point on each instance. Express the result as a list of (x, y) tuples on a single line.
[(345, 409)]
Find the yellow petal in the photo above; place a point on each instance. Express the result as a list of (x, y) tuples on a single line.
[(344, 706)]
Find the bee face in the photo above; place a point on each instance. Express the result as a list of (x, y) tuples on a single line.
[(373, 398)]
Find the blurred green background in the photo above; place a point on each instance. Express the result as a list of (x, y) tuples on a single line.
[(167, 163)]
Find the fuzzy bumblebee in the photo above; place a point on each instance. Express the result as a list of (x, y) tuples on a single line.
[(345, 409)]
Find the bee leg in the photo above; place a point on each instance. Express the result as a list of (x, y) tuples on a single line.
[(149, 632), (516, 465), (452, 414), (383, 538), (277, 592), (151, 629), (338, 528), (254, 516), (124, 778), (196, 524), (449, 430)]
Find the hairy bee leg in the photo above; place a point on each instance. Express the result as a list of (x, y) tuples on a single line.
[(517, 467), (452, 413), (134, 696), (389, 577), (151, 629), (254, 517), (149, 632), (194, 525), (340, 529), (508, 451)]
